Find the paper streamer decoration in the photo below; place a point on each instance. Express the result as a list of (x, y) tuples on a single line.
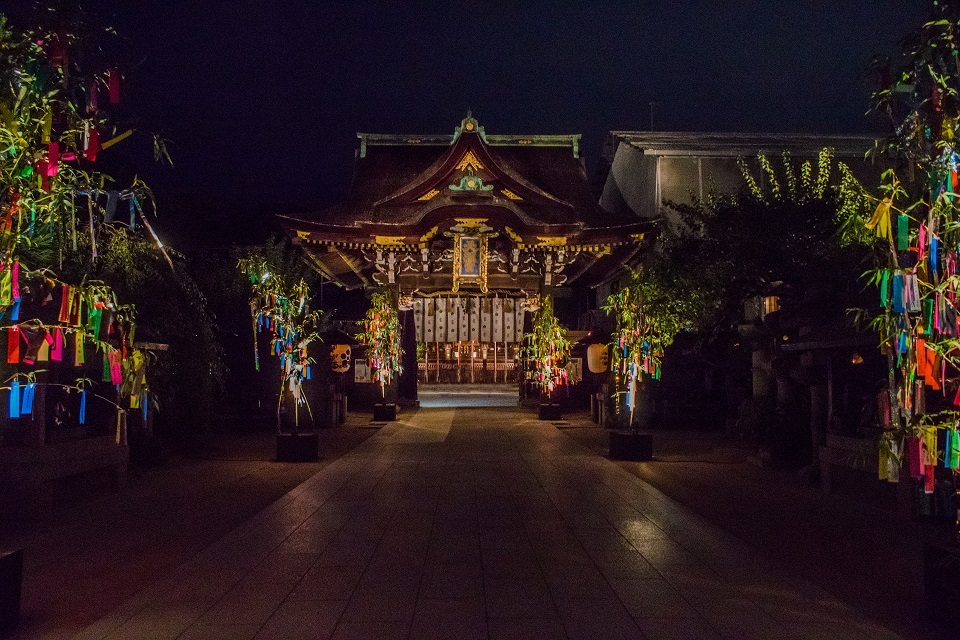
[(82, 418), (35, 341), (951, 458), (26, 406), (78, 356), (6, 286), (14, 408), (898, 303), (116, 373), (64, 316), (56, 352), (13, 345), (880, 222), (903, 232), (53, 159), (914, 458), (43, 354), (15, 280)]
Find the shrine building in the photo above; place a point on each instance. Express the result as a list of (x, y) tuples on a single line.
[(471, 229)]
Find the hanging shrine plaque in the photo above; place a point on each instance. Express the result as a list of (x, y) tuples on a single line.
[(470, 261)]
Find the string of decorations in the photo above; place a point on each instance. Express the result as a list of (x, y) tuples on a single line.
[(547, 348), (52, 117), (283, 309), (380, 333), (648, 320)]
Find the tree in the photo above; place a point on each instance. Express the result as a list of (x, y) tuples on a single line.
[(70, 238), (280, 305), (783, 238), (380, 333), (548, 348), (649, 312), (786, 235), (915, 229)]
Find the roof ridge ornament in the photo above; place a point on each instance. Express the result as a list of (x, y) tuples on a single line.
[(469, 125), (471, 182)]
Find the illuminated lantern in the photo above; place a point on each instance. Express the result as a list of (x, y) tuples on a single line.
[(340, 358), (597, 358)]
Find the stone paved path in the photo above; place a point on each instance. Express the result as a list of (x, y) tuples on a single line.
[(478, 523)]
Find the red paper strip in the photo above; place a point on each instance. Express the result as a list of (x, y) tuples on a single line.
[(914, 457), (13, 345), (93, 145), (116, 374), (113, 84), (65, 304), (53, 159), (56, 353), (928, 478)]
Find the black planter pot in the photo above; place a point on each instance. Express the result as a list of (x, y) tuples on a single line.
[(297, 447), (636, 447), (384, 412), (549, 411)]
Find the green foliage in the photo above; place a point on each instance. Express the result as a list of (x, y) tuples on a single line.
[(920, 98), (793, 235), (280, 304), (188, 379), (52, 218), (649, 314), (548, 347), (380, 333)]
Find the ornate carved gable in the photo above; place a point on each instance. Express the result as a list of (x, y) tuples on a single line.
[(470, 168)]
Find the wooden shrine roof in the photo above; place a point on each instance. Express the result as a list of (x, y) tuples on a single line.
[(399, 180)]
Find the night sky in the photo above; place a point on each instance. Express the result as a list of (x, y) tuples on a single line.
[(262, 100)]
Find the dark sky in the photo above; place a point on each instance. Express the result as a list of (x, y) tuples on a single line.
[(262, 100)]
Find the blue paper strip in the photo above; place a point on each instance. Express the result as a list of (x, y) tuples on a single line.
[(26, 405), (946, 448), (898, 292), (14, 399), (83, 407)]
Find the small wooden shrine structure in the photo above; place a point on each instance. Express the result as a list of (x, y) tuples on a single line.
[(470, 229)]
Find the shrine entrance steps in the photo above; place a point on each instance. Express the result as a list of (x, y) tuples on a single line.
[(467, 395)]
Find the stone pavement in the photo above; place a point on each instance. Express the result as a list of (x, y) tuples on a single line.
[(478, 523)]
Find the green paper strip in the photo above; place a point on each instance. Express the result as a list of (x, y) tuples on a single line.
[(94, 316), (885, 289), (903, 232), (928, 316), (954, 450), (6, 287)]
